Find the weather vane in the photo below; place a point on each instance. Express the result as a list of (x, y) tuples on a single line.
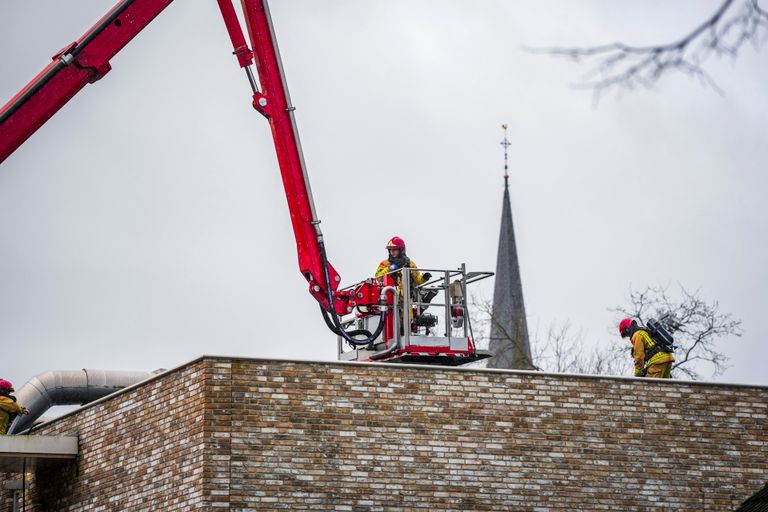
[(506, 145)]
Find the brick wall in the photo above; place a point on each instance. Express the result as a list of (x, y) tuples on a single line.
[(260, 435), (141, 450)]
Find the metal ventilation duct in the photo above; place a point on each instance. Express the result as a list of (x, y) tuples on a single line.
[(78, 387)]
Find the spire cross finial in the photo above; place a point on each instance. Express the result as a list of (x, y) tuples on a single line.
[(505, 143)]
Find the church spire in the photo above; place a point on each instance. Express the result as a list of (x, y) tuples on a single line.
[(509, 327)]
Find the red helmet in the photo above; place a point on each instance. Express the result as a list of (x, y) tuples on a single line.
[(6, 386), (396, 243), (624, 327)]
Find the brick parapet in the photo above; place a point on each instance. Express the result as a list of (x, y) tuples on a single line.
[(372, 437), (330, 436)]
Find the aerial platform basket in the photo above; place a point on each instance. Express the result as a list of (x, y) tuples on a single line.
[(427, 323)]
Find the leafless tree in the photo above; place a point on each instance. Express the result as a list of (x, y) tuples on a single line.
[(620, 66), (483, 319), (696, 324), (698, 327), (480, 322), (560, 350)]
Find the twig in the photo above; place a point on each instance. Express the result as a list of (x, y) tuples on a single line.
[(620, 66)]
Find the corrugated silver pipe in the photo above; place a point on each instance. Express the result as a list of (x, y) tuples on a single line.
[(78, 387)]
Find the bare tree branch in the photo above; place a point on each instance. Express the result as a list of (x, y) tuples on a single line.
[(560, 350), (696, 324), (484, 318), (620, 66), (565, 351)]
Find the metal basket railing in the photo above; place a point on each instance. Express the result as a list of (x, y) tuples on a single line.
[(410, 306)]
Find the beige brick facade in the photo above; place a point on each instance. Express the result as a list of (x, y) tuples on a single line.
[(240, 434)]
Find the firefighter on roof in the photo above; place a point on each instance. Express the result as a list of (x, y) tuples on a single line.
[(9, 409), (650, 360)]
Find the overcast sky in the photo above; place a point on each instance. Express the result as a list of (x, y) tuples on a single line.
[(146, 224)]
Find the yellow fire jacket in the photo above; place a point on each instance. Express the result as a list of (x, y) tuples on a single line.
[(384, 267), (8, 408), (642, 343)]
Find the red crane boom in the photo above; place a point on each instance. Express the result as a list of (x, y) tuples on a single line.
[(87, 60)]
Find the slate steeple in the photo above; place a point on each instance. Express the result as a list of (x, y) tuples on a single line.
[(509, 327)]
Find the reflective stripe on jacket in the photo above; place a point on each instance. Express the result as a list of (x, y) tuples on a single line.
[(385, 267), (643, 344)]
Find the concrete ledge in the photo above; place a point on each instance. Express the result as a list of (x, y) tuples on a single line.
[(36, 450)]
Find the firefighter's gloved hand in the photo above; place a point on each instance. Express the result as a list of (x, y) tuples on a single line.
[(427, 276)]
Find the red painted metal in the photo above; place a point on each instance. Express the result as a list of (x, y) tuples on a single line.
[(274, 103), (242, 52), (389, 327), (87, 60), (84, 61), (433, 355), (366, 294)]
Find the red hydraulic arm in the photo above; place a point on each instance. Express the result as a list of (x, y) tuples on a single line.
[(274, 103), (87, 60)]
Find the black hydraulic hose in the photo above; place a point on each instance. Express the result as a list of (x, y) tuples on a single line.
[(349, 335), (385, 353), (328, 322), (356, 332), (334, 320)]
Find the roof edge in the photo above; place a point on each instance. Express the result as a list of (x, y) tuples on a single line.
[(118, 392), (532, 373), (491, 370)]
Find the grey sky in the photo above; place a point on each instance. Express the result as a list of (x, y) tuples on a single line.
[(146, 224)]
